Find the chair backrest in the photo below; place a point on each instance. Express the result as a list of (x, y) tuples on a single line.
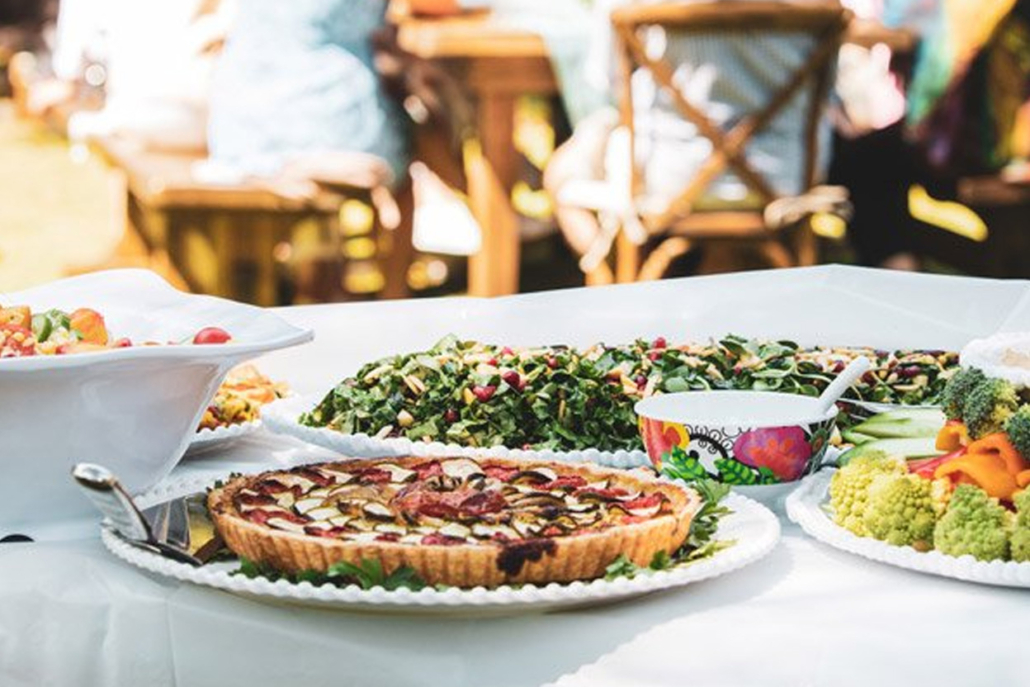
[(824, 21)]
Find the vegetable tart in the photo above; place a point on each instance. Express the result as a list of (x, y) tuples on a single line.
[(455, 521)]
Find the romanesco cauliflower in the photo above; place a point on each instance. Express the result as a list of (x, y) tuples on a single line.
[(1020, 541), (849, 488), (973, 524), (901, 510)]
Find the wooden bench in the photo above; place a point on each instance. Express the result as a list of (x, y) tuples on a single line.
[(223, 239)]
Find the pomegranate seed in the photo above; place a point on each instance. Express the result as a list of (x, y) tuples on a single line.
[(654, 355), (838, 366), (512, 379), (123, 342), (451, 416), (909, 371), (492, 361), (507, 351), (484, 393), (641, 381), (552, 363), (660, 342), (869, 377)]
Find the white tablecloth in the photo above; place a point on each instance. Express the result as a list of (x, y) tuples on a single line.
[(71, 614)]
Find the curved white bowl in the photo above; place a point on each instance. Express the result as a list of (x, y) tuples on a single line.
[(734, 408), (133, 410)]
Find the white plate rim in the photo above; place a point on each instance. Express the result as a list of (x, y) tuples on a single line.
[(805, 508), (526, 598), (281, 416), (211, 437)]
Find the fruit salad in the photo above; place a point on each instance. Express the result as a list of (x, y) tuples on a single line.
[(25, 333)]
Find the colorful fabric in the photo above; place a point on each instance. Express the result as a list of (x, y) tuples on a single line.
[(971, 77)]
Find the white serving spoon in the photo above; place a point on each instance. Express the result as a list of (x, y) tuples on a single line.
[(848, 376)]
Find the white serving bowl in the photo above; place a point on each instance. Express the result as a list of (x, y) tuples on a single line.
[(133, 410), (760, 442)]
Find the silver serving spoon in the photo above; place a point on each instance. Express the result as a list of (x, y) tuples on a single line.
[(124, 517)]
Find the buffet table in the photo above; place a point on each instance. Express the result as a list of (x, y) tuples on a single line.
[(807, 614)]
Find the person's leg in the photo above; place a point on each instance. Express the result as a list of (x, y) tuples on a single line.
[(581, 158), (877, 169)]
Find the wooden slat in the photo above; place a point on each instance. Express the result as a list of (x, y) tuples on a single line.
[(164, 180), (469, 35), (809, 16)]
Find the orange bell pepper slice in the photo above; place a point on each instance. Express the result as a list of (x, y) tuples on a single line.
[(953, 435), (987, 470), (999, 444), (1023, 479)]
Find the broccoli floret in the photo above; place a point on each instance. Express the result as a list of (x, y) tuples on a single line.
[(1020, 540), (850, 486), (988, 406), (956, 390), (974, 524), (1018, 429), (900, 510)]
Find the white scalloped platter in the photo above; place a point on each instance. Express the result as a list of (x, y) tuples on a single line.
[(282, 416), (208, 439), (753, 527), (805, 506)]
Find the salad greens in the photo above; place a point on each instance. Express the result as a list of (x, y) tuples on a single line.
[(557, 397)]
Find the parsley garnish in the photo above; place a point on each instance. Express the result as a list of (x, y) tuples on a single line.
[(699, 544), (367, 574)]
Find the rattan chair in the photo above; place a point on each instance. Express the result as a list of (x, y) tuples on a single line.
[(783, 238)]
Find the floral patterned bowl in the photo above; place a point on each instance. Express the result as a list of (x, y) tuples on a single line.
[(743, 438)]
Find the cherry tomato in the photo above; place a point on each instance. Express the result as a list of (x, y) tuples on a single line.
[(211, 335)]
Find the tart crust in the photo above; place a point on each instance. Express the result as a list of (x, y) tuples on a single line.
[(540, 560)]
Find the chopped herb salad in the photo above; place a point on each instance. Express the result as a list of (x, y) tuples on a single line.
[(563, 398)]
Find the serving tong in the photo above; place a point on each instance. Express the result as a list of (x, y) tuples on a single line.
[(163, 529)]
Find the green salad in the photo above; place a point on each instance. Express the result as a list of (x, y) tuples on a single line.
[(563, 398)]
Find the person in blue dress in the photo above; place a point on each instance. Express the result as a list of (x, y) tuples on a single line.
[(296, 81)]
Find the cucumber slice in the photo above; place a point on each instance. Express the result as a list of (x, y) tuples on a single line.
[(920, 447), (41, 327), (857, 438), (908, 414), (905, 424)]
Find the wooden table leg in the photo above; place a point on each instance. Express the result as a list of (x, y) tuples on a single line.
[(494, 270)]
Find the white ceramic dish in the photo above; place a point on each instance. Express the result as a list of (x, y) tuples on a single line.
[(805, 506), (282, 416), (735, 408), (209, 439), (754, 529), (133, 410)]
